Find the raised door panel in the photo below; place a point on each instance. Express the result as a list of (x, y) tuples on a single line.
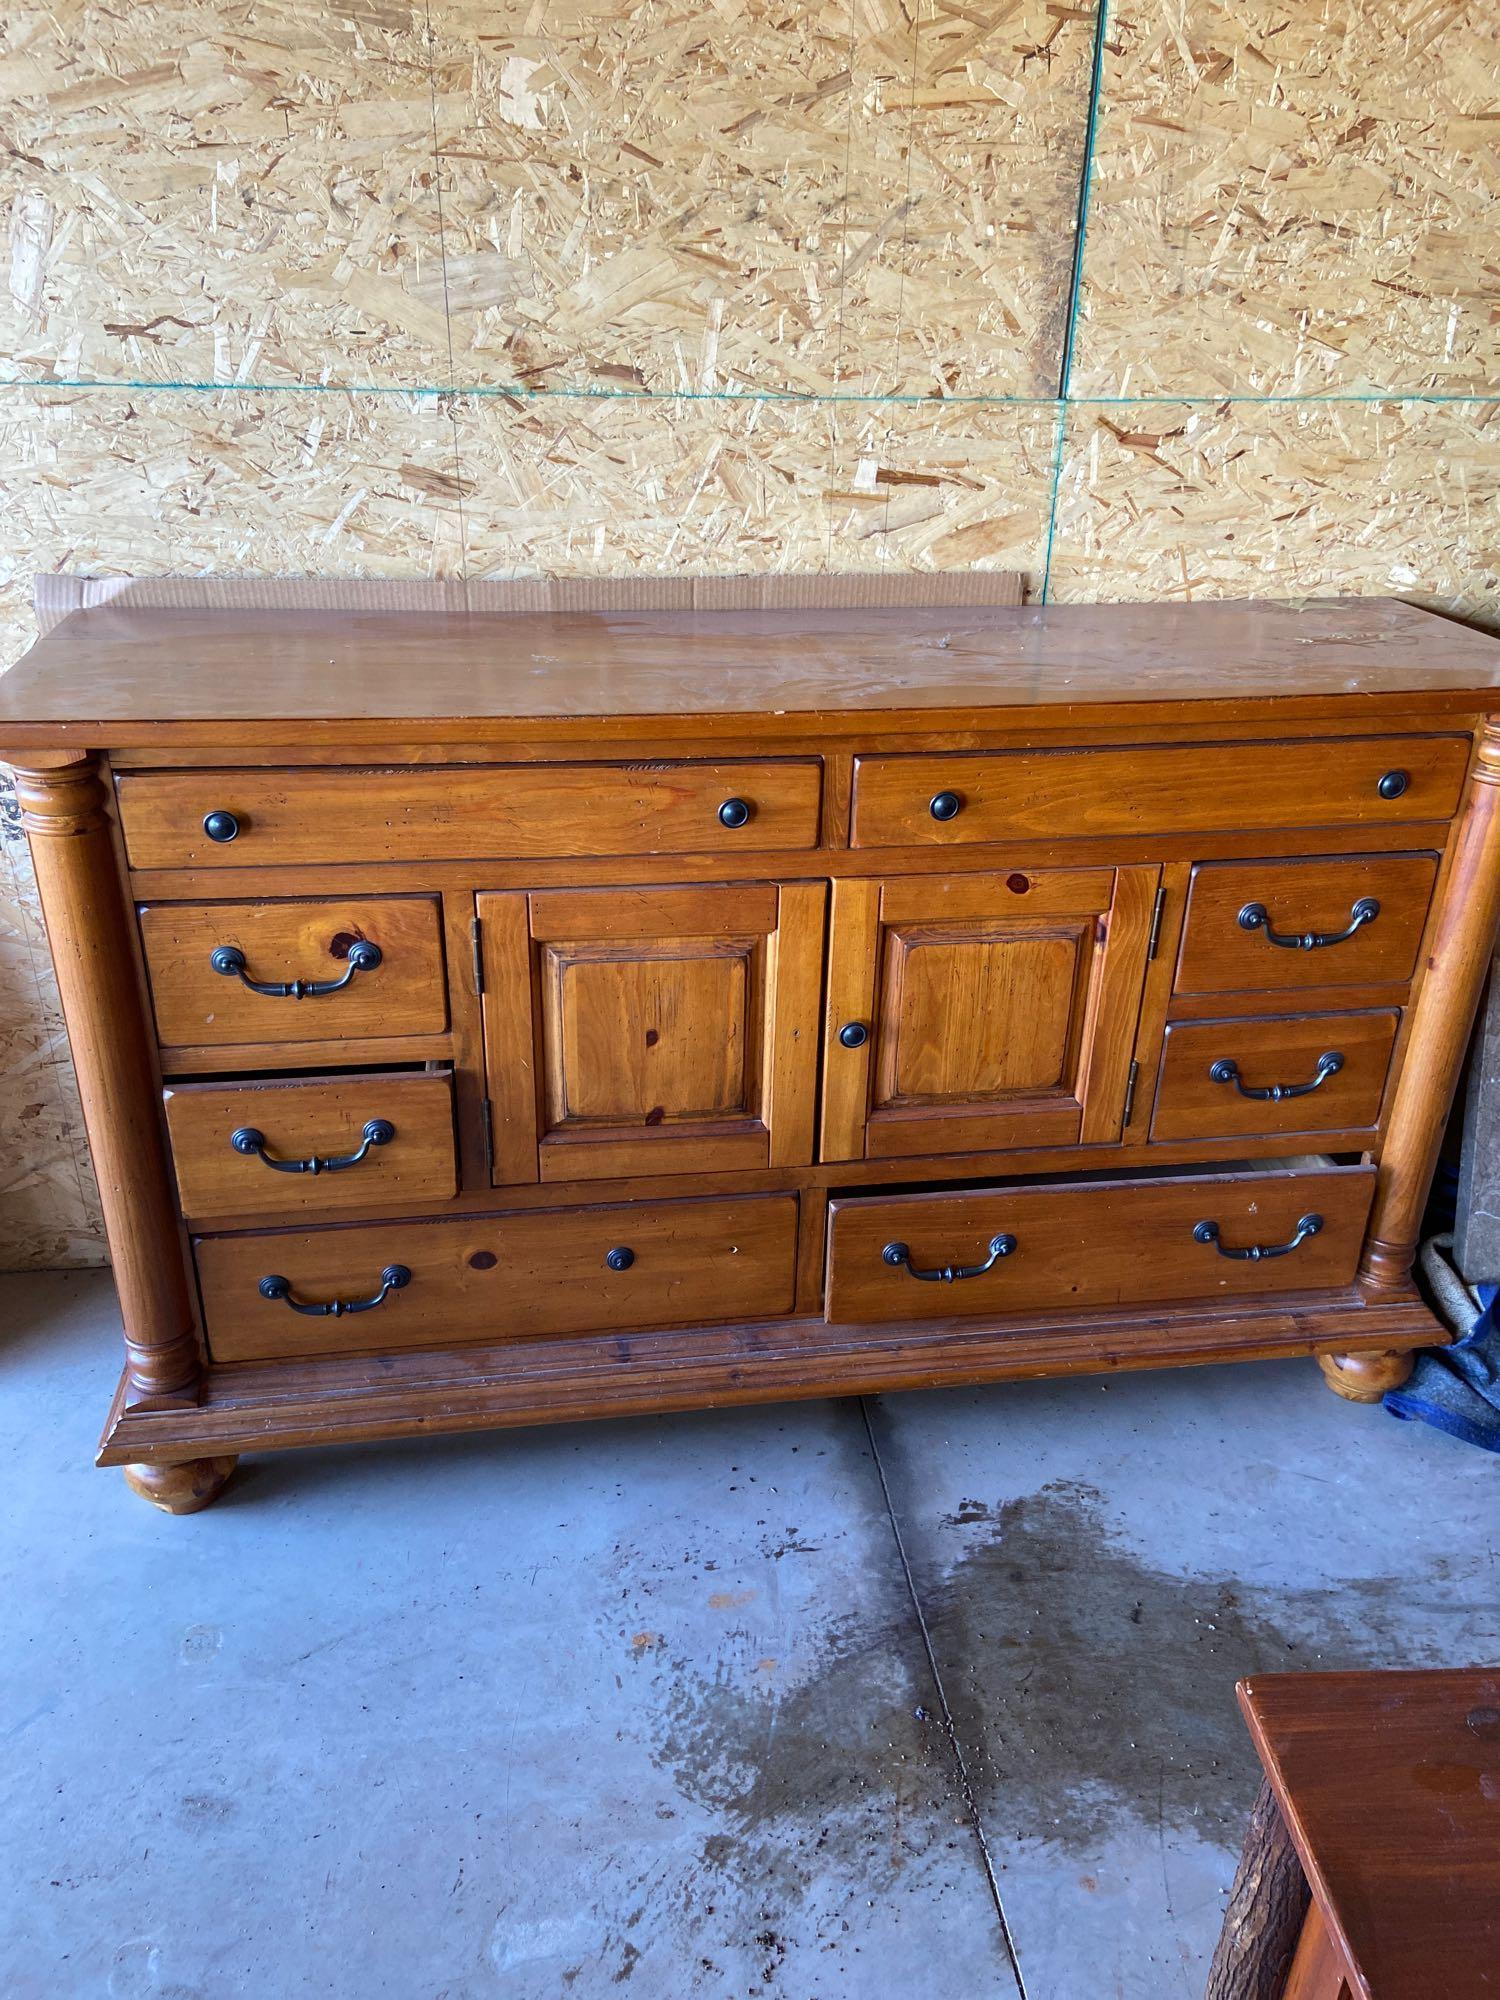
[(644, 1031), (983, 1012)]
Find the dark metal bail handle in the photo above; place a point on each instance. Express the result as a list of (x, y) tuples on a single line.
[(230, 960), (378, 1132), (1208, 1232), (899, 1256), (394, 1278), (1227, 1070), (1256, 917)]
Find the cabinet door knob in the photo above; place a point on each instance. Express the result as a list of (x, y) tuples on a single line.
[(394, 1278), (734, 813), (854, 1034), (945, 805), (221, 826), (1393, 784), (620, 1259)]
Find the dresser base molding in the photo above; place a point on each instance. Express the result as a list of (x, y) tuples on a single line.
[(352, 1399)]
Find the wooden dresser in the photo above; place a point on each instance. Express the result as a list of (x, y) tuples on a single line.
[(496, 1019)]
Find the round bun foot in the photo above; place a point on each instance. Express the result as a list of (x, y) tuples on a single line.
[(181, 1489), (1364, 1378)]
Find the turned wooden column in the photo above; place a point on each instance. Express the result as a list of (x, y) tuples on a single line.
[(1451, 981), (89, 927)]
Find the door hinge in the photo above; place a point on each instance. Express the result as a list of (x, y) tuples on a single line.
[(1130, 1084), (489, 1139), (1156, 916), (476, 946)]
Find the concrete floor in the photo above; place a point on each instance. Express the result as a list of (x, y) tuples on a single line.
[(932, 1694)]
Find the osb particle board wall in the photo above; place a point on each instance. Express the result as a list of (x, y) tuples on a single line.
[(460, 290)]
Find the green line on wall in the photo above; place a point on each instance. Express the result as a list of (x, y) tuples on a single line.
[(1075, 287), (512, 392)]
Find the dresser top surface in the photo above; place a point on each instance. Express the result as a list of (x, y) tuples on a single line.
[(115, 676)]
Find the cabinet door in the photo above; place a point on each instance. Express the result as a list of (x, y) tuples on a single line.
[(998, 1011), (651, 1031)]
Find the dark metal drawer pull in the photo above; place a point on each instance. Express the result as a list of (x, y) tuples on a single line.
[(734, 813), (1255, 917), (230, 960), (394, 1278), (379, 1132), (1227, 1070), (1208, 1232), (899, 1255)]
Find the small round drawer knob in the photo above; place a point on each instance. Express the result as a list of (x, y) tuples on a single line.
[(1393, 784), (734, 813), (221, 826), (946, 805), (620, 1259), (854, 1034)]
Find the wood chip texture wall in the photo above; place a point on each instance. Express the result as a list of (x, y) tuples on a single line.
[(1189, 297)]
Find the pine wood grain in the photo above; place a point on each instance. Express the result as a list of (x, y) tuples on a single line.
[(479, 1385), (323, 1116), (1009, 795), (1281, 1049), (466, 812), (492, 1277), (196, 1006), (118, 677), (1220, 956), (1111, 1243)]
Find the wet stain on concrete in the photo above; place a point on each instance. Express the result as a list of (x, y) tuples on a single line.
[(823, 1795), (848, 1738), (1088, 1687), (823, 1785)]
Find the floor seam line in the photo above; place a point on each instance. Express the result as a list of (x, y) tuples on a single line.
[(971, 1804)]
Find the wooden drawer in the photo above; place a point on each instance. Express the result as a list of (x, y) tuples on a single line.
[(1163, 788), (1236, 907), (284, 943), (1212, 1070), (1094, 1243), (504, 1277), (377, 1139), (469, 812)]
